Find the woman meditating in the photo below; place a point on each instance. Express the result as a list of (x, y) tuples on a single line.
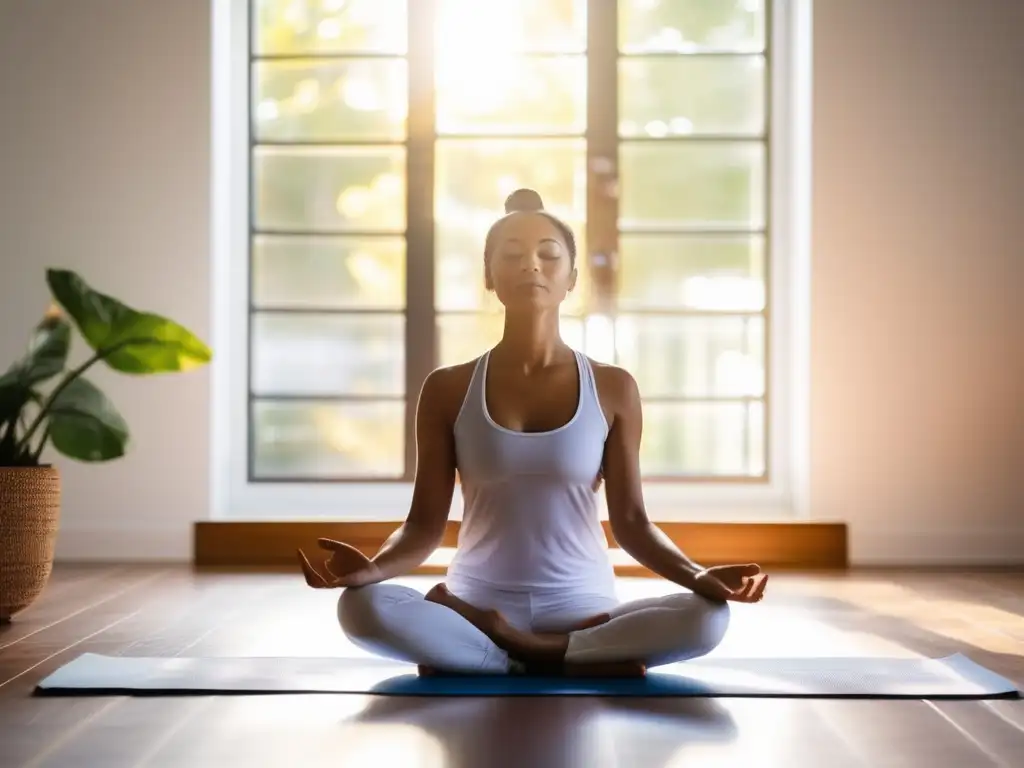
[(533, 428)]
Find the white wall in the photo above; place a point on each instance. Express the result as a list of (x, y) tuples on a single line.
[(104, 159), (917, 391), (917, 423)]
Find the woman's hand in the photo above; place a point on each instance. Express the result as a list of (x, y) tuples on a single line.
[(734, 583), (346, 567)]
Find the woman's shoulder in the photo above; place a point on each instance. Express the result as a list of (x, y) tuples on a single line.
[(445, 387), (616, 387), (613, 377)]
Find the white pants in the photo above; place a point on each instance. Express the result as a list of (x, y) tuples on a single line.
[(396, 622)]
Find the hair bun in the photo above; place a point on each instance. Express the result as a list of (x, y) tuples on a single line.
[(523, 200)]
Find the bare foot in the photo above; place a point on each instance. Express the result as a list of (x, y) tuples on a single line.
[(520, 645), (484, 620)]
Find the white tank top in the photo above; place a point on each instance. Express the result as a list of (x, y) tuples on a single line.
[(530, 515)]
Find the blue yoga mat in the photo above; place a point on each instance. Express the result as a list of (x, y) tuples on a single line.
[(950, 677)]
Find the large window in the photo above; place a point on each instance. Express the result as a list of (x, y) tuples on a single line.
[(383, 138)]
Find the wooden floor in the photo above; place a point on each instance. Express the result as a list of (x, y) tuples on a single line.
[(163, 611)]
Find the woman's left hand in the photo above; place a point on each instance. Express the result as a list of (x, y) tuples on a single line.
[(733, 583)]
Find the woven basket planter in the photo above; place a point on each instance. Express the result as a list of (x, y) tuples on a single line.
[(29, 517)]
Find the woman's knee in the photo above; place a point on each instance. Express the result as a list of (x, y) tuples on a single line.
[(363, 612), (708, 621)]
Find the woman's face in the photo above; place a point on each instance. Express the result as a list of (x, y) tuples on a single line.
[(529, 266)]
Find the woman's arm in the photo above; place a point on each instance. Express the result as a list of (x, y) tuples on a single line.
[(423, 530), (632, 529)]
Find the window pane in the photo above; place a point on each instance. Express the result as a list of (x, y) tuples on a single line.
[(462, 338), (330, 26), (470, 30), (757, 439), (512, 95), (330, 189), (702, 184), (693, 356), (702, 439), (702, 273), (473, 178), (459, 284), (296, 440), (684, 96), (690, 25), (315, 354), (328, 272), (351, 100)]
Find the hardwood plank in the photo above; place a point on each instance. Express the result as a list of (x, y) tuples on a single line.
[(31, 724), (57, 640), (903, 734), (123, 730), (1010, 712), (771, 733), (996, 738), (70, 592), (57, 729)]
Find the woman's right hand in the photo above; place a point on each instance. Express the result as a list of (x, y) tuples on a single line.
[(346, 567), (731, 583)]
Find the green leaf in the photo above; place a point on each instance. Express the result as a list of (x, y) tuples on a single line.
[(85, 425), (128, 340), (45, 357), (47, 349)]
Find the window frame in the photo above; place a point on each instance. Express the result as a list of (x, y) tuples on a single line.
[(235, 495)]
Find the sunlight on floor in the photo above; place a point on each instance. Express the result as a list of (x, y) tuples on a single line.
[(764, 737), (389, 744), (764, 630), (983, 626), (294, 711)]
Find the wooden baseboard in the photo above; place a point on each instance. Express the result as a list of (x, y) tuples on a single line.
[(790, 545)]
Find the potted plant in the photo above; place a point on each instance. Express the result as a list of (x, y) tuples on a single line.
[(44, 402)]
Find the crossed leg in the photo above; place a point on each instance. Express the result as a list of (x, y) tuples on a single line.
[(653, 631), (441, 632), (398, 622)]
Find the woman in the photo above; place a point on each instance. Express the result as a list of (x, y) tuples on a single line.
[(532, 427)]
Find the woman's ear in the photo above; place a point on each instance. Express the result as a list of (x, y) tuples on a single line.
[(572, 278), (488, 283)]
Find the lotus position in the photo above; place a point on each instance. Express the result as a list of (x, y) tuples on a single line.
[(533, 429)]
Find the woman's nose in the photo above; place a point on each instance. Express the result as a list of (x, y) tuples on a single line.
[(531, 262)]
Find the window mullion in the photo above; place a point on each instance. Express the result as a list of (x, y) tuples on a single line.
[(602, 154), (420, 325)]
